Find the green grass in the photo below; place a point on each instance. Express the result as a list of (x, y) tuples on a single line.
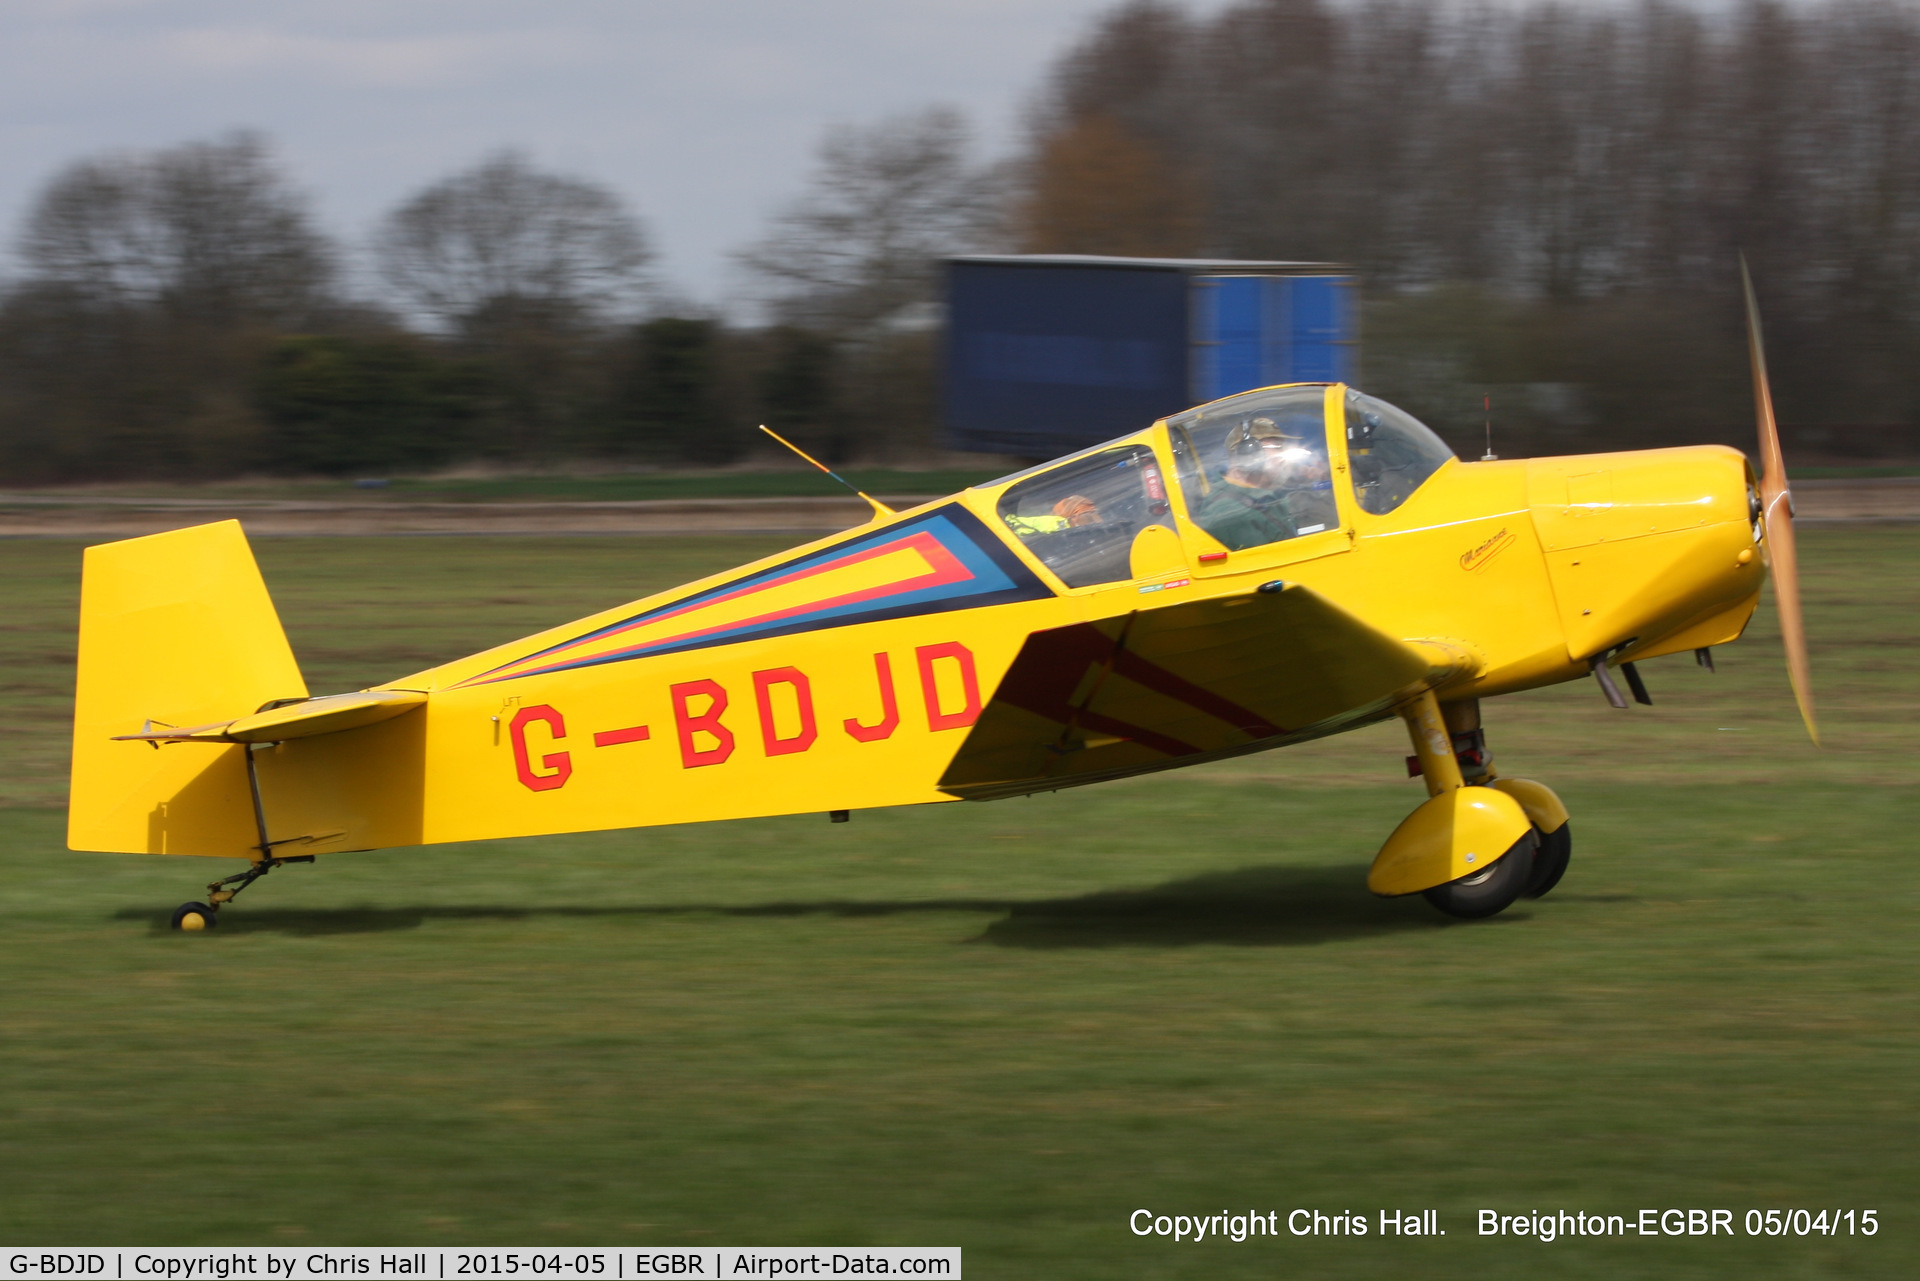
[(1000, 1026)]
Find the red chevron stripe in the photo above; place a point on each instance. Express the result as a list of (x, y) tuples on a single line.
[(946, 568)]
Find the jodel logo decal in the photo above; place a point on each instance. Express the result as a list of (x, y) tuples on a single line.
[(1479, 556)]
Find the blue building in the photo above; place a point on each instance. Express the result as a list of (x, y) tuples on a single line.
[(1049, 353)]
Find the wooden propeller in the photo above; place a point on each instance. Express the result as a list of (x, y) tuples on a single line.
[(1776, 514)]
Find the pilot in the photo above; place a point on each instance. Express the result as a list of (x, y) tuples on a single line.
[(1276, 487)]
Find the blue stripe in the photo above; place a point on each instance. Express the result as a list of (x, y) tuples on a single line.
[(998, 577)]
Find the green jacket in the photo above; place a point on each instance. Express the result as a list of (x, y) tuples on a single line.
[(1242, 518)]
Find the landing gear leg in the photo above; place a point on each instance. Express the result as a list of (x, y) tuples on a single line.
[(1544, 810), (1468, 849)]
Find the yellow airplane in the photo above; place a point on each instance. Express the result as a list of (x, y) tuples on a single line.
[(1261, 571)]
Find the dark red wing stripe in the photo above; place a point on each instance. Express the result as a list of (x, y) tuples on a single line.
[(1035, 681), (1181, 690), (1035, 684), (1138, 734)]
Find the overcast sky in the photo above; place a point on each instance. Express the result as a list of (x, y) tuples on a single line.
[(703, 113)]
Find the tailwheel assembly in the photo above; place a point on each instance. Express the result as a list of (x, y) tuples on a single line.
[(204, 916)]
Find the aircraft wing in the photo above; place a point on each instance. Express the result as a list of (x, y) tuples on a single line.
[(1157, 688)]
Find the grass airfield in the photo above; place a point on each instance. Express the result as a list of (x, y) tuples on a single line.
[(1001, 1026)]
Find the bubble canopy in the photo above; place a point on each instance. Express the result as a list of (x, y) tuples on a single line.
[(1253, 470)]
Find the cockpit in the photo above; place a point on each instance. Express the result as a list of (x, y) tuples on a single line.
[(1081, 517), (1251, 470), (1254, 469)]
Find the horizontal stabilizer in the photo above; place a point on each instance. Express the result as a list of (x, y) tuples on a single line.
[(300, 719), (1183, 683)]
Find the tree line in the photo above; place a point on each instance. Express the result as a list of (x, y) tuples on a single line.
[(1545, 204), (1548, 201), (181, 316)]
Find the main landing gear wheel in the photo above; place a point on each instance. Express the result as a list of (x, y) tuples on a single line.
[(194, 916), (1486, 893), (1550, 860)]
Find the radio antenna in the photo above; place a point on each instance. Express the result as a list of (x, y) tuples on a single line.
[(879, 508), (1487, 404)]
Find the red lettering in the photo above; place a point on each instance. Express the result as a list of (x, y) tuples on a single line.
[(969, 683), (763, 683), (561, 763), (889, 706), (615, 737), (707, 722)]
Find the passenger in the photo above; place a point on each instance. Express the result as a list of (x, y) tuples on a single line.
[(1277, 486), (1074, 509), (1077, 509)]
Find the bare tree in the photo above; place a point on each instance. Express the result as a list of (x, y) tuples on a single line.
[(503, 241), (884, 205), (207, 232)]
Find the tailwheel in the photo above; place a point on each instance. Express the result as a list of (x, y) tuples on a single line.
[(1550, 860), (1481, 894), (194, 916), (204, 916)]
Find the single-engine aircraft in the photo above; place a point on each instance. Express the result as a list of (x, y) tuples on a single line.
[(1262, 571)]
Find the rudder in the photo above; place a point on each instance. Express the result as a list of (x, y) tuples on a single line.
[(176, 628)]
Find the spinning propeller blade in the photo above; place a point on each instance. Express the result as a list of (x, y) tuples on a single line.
[(1776, 506)]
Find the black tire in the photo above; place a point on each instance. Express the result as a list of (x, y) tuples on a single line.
[(1550, 860), (1482, 894), (208, 918)]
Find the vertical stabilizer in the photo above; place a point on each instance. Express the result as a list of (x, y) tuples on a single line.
[(176, 628)]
